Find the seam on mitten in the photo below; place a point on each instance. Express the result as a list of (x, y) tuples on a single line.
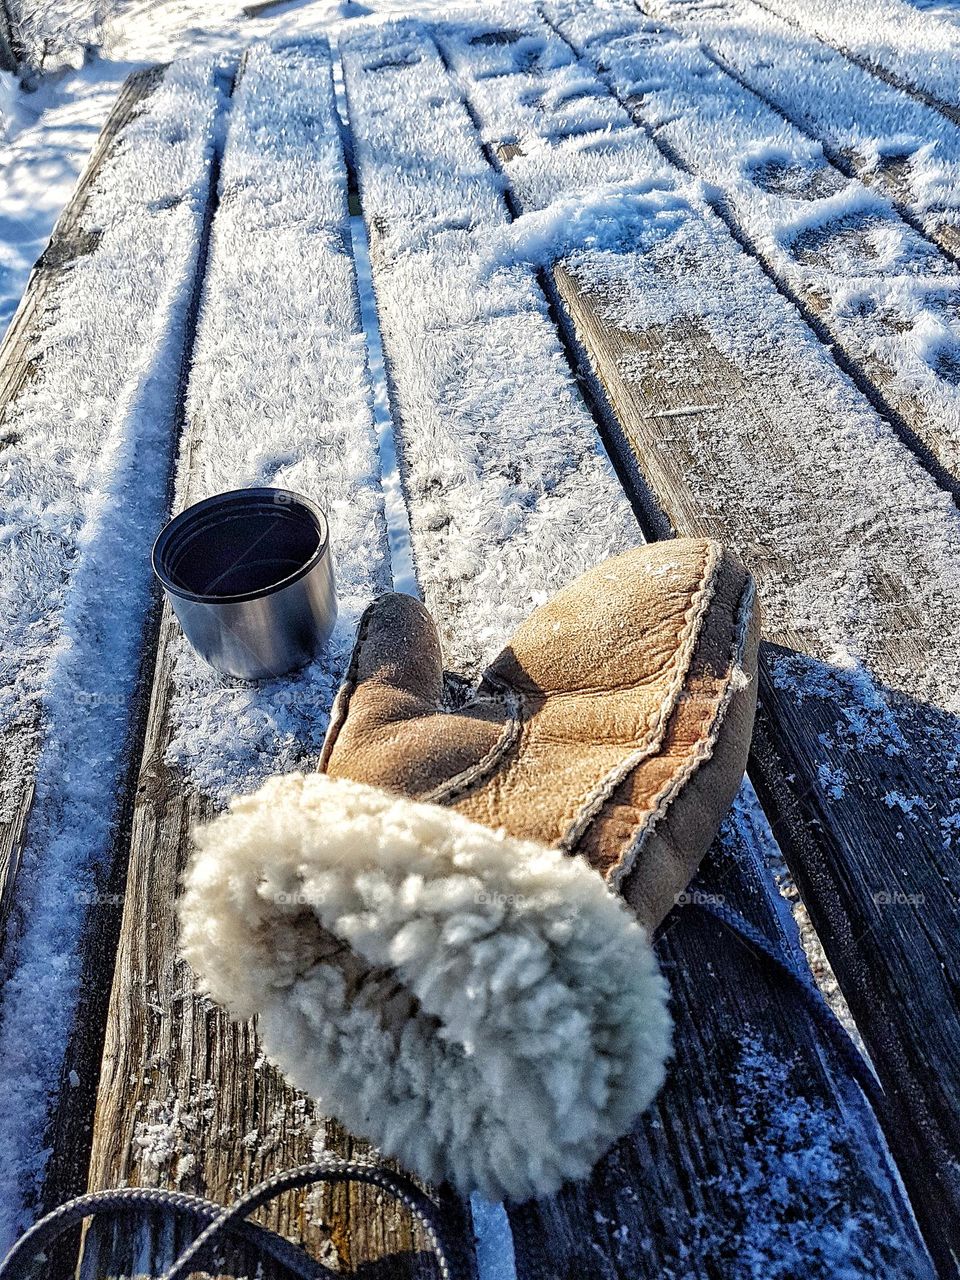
[(341, 703), (513, 705), (595, 799), (704, 750)]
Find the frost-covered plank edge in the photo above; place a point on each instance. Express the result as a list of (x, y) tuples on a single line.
[(19, 715), (420, 167), (85, 474), (279, 394), (878, 288), (695, 362), (910, 48), (889, 139)]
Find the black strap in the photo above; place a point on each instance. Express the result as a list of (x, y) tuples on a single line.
[(803, 984), (232, 1221)]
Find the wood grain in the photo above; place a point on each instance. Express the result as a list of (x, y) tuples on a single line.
[(674, 1198), (14, 837)]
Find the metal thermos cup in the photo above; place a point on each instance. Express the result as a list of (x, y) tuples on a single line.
[(250, 577)]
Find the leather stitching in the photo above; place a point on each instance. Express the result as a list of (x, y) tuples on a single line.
[(341, 703), (513, 704), (699, 756), (594, 801)]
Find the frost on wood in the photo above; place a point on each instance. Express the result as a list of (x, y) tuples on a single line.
[(84, 480), (884, 564), (884, 291), (583, 193), (885, 132), (511, 494), (592, 197), (856, 550), (916, 48), (790, 1156), (279, 396)]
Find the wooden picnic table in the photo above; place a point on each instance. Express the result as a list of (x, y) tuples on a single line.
[(560, 387)]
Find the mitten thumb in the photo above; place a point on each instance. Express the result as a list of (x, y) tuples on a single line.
[(395, 673), (387, 727)]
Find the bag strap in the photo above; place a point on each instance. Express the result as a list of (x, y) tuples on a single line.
[(232, 1221), (803, 984)]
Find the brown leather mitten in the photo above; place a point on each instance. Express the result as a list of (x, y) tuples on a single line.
[(427, 958)]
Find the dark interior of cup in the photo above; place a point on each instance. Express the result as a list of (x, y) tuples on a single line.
[(244, 545)]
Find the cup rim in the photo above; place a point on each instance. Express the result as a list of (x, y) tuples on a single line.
[(239, 498)]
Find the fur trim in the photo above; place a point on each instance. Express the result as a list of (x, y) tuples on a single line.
[(480, 1007)]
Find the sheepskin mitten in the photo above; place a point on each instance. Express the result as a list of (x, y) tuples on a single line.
[(427, 958)]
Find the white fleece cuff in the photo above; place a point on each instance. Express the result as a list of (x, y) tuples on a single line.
[(482, 1008)]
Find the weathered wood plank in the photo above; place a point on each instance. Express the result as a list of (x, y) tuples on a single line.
[(868, 128), (279, 395), (68, 240), (748, 432), (19, 365), (814, 228), (14, 829), (89, 406), (467, 339)]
